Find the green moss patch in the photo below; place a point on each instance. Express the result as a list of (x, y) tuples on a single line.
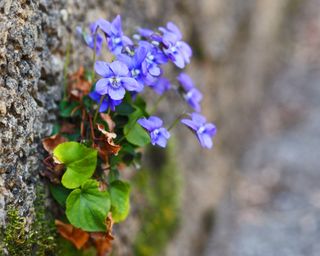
[(158, 188)]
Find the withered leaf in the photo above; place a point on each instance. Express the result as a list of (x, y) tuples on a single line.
[(103, 241), (75, 235), (50, 143), (107, 146), (78, 85), (68, 128), (109, 121)]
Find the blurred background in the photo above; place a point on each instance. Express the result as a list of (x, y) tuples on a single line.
[(257, 62)]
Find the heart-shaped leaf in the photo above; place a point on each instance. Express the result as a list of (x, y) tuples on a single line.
[(80, 161), (88, 207), (134, 133), (120, 200), (59, 193)]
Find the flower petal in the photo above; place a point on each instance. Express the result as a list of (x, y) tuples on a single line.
[(173, 28), (205, 140), (131, 84), (105, 26), (198, 119), (161, 141), (127, 60), (102, 86), (155, 70), (150, 124), (157, 122), (140, 54), (95, 96), (104, 106), (102, 68), (116, 23), (185, 51), (116, 93), (185, 81), (119, 68), (211, 129), (191, 124), (178, 60)]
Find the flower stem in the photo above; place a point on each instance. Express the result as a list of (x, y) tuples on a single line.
[(97, 111), (94, 56), (174, 123)]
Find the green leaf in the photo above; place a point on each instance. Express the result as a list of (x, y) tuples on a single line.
[(80, 161), (60, 194), (134, 133), (124, 109), (88, 207), (67, 108), (113, 175), (120, 200), (141, 104), (55, 129)]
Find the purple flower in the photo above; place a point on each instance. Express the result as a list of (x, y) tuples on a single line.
[(177, 50), (161, 85), (136, 64), (191, 94), (116, 79), (204, 131), (106, 103), (89, 38), (145, 32), (159, 135), (153, 60), (115, 37)]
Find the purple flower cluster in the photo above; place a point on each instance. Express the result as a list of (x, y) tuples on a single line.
[(138, 63)]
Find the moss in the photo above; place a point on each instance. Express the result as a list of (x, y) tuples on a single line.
[(39, 241), (159, 186)]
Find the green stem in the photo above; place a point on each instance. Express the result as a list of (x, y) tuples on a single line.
[(174, 123), (94, 57), (97, 111), (65, 70)]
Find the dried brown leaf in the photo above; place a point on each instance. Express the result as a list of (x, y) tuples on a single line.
[(78, 85), (109, 121), (103, 241), (75, 235), (50, 143), (68, 128), (106, 146)]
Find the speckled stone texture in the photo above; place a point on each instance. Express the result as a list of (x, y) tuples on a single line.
[(30, 71)]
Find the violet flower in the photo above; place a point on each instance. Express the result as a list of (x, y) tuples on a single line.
[(159, 135), (136, 64), (90, 38), (116, 79), (115, 37), (154, 58), (178, 51), (106, 103), (145, 32), (161, 85), (191, 94), (204, 131)]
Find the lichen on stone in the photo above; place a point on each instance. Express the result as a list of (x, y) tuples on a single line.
[(19, 237)]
